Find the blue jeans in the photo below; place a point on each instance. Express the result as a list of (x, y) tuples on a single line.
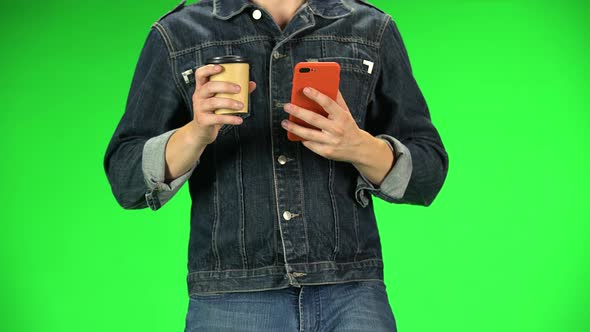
[(352, 306)]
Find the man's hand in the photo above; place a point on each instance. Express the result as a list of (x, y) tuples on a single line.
[(187, 144), (339, 138), (206, 123)]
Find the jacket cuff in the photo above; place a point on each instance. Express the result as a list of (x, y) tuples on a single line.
[(395, 182), (153, 164)]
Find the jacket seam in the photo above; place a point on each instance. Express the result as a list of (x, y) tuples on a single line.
[(210, 43), (165, 36), (232, 14), (172, 63), (334, 209), (368, 260), (386, 19), (215, 220), (302, 197), (351, 10), (356, 230), (301, 186), (239, 178), (357, 40)]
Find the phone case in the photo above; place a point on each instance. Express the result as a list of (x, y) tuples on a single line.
[(322, 76)]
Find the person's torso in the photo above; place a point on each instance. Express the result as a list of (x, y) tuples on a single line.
[(268, 212)]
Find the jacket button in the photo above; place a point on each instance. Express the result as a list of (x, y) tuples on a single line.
[(287, 215), (282, 160), (276, 54), (257, 14)]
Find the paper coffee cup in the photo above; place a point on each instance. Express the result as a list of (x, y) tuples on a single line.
[(236, 69)]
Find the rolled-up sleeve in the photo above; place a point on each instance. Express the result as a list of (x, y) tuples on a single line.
[(159, 190), (396, 180), (399, 115), (134, 161)]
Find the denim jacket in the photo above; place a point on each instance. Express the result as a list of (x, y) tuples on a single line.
[(267, 212)]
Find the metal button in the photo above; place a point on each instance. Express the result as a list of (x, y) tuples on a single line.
[(276, 54), (282, 160), (287, 215), (257, 14)]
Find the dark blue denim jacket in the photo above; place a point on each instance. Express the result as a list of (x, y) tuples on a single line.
[(267, 212)]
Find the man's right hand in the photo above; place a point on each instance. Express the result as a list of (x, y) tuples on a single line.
[(206, 124)]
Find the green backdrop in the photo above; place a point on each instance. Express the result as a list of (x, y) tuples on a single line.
[(504, 247)]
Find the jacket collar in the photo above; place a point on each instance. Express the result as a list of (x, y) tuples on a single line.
[(226, 9)]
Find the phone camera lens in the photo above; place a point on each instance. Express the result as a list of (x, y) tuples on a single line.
[(304, 70)]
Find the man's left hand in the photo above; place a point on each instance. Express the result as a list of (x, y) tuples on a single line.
[(338, 138)]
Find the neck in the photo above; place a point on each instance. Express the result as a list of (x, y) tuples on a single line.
[(282, 11)]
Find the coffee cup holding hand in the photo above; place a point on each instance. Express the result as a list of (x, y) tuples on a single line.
[(221, 95)]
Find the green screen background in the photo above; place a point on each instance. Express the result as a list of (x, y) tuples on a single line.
[(504, 247)]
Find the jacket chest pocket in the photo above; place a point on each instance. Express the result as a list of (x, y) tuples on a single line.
[(188, 79), (356, 78)]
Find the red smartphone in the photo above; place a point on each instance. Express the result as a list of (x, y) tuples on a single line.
[(322, 76)]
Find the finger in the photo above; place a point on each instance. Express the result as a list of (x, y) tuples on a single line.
[(306, 133), (202, 74), (251, 86), (209, 119), (316, 147), (213, 103), (324, 101), (210, 88), (311, 117)]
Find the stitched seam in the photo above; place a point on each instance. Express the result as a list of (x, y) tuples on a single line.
[(192, 280), (241, 197), (276, 189), (309, 25), (334, 210), (369, 260), (330, 17), (206, 44), (214, 8), (378, 63), (252, 270), (345, 66), (347, 263), (301, 326), (274, 174), (302, 199), (231, 14), (318, 315), (386, 20), (356, 230), (173, 65), (355, 51), (216, 220), (347, 6), (357, 40), (165, 35)]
